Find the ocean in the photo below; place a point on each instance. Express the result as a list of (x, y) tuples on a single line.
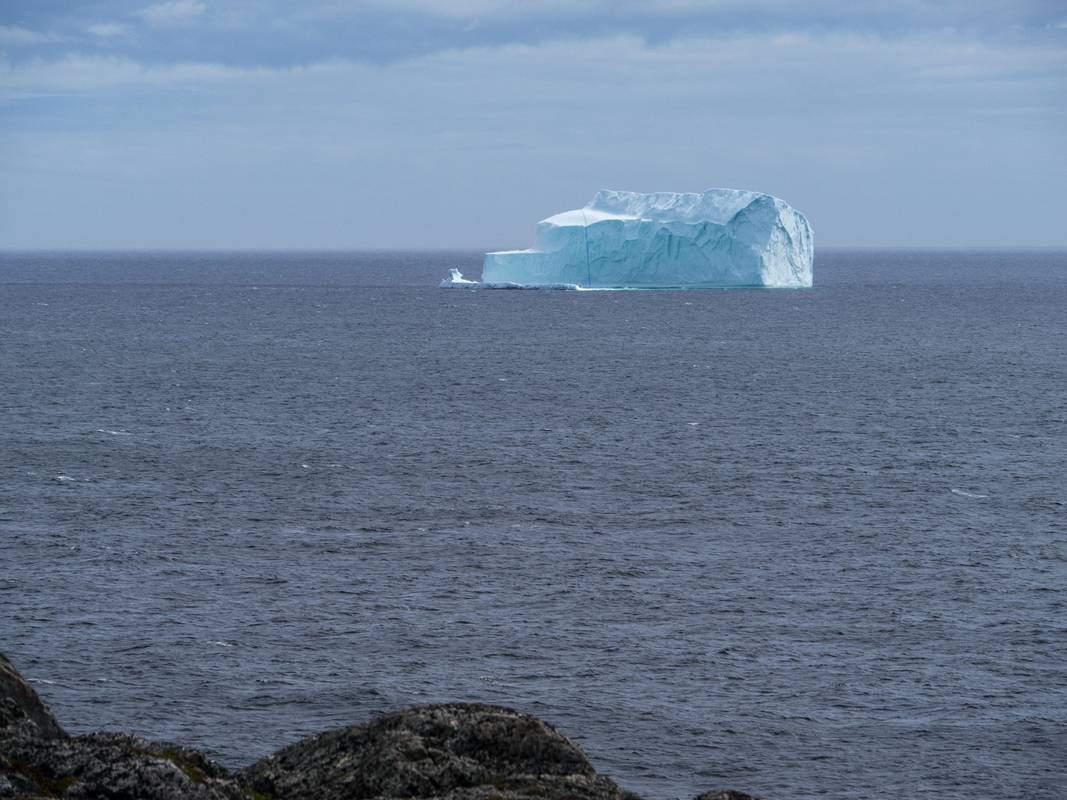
[(802, 543)]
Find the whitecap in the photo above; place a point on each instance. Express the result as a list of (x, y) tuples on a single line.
[(455, 280), (962, 493)]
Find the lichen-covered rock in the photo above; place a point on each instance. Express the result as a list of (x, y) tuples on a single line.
[(443, 752), (19, 704), (114, 766), (37, 759), (457, 751)]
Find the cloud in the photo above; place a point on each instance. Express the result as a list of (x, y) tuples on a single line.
[(173, 12), (819, 65), (509, 9), (107, 30), (464, 9), (15, 35), (818, 11), (871, 135), (85, 74)]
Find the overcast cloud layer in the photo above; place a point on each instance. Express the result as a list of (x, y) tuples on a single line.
[(437, 123)]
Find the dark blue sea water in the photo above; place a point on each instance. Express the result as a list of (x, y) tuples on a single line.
[(802, 543)]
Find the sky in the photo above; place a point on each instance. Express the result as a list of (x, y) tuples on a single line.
[(330, 124)]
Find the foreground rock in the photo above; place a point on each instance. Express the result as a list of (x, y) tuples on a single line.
[(111, 765), (21, 707), (38, 759), (448, 752)]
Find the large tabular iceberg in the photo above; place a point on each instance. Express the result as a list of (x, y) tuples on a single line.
[(628, 240)]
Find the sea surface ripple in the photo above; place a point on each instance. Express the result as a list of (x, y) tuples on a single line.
[(801, 543)]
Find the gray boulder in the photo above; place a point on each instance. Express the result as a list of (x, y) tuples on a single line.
[(456, 751), (21, 707), (38, 759), (441, 752), (111, 765)]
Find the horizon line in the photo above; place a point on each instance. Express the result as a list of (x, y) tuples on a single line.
[(473, 249)]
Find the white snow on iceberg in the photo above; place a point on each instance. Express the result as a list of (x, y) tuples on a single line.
[(627, 240)]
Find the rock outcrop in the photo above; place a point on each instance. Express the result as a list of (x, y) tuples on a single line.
[(446, 752), (21, 707), (110, 765), (38, 759), (460, 752)]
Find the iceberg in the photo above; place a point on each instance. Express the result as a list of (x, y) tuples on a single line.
[(720, 238)]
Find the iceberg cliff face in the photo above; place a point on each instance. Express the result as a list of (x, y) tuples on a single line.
[(720, 238)]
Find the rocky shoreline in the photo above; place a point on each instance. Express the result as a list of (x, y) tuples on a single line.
[(451, 752)]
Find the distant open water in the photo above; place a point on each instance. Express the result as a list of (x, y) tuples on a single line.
[(802, 543)]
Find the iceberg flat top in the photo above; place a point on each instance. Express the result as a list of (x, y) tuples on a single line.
[(714, 205)]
